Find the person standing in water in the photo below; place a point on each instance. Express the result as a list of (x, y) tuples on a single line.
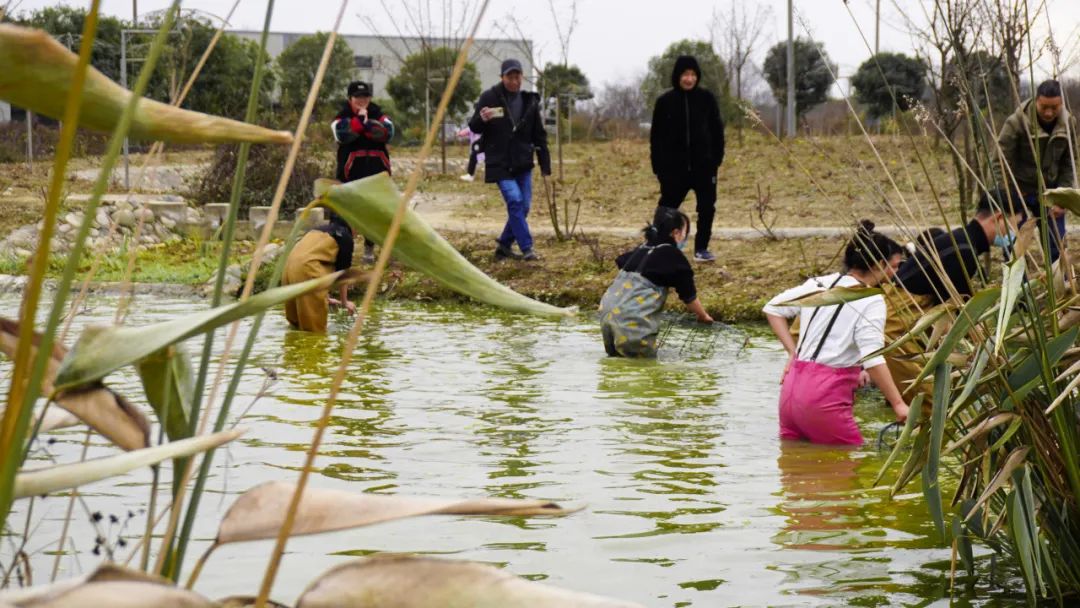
[(321, 251), (823, 369), (362, 130), (630, 309), (686, 148)]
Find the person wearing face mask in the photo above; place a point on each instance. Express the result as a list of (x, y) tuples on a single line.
[(948, 265), (823, 368), (1039, 126), (630, 309), (362, 130)]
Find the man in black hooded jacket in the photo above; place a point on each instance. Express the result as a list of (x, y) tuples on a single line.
[(687, 147), (362, 130)]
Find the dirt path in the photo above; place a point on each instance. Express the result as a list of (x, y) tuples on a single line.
[(449, 212)]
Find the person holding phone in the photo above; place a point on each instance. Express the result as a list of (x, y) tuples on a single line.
[(362, 129), (509, 122)]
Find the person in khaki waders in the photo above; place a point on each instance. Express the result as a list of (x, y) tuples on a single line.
[(323, 250)]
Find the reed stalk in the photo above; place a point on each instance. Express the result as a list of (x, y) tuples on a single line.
[(26, 383)]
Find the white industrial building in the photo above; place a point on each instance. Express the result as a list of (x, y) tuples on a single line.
[(376, 58)]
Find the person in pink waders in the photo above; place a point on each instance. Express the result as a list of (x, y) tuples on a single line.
[(823, 368)]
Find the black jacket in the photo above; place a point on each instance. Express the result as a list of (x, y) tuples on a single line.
[(687, 134), (362, 154), (959, 252), (508, 144), (666, 267)]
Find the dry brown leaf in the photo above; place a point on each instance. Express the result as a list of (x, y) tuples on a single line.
[(35, 596), (104, 410), (123, 594), (259, 513), (422, 582)]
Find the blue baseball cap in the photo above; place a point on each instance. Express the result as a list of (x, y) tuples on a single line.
[(511, 65)]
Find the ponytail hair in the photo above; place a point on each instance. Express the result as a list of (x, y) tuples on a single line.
[(869, 248), (665, 221)]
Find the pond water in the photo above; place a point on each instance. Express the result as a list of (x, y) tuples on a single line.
[(691, 498)]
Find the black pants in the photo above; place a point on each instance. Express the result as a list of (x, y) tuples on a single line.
[(673, 190), (472, 161)]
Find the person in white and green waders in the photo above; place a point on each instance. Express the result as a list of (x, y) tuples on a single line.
[(630, 309)]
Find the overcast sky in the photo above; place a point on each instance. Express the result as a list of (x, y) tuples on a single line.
[(614, 39)]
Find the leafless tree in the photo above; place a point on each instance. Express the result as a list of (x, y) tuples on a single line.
[(945, 34), (564, 29), (1008, 30), (736, 34)]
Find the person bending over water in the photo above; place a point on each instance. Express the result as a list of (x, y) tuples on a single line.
[(630, 309), (823, 369), (321, 251)]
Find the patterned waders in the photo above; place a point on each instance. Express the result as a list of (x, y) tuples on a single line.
[(629, 312)]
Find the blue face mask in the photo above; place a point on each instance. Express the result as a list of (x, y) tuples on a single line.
[(1005, 241), (682, 245)]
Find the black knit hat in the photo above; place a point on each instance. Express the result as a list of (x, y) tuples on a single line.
[(359, 89)]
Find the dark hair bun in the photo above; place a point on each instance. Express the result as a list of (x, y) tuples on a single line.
[(866, 227)]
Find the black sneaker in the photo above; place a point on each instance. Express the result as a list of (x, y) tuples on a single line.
[(704, 256), (530, 256), (502, 252)]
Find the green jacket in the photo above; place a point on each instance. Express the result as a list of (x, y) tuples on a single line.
[(1055, 151)]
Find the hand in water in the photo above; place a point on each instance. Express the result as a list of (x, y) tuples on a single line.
[(350, 307)]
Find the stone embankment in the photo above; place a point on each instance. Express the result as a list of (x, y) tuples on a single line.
[(163, 218)]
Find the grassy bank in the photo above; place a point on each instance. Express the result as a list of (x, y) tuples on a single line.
[(571, 273)]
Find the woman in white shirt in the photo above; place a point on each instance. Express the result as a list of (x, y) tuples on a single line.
[(823, 370)]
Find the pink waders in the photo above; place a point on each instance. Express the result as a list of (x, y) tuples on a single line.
[(816, 404)]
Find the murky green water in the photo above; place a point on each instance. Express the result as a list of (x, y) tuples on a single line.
[(692, 499)]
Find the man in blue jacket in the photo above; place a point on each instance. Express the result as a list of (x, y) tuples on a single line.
[(686, 146), (508, 119)]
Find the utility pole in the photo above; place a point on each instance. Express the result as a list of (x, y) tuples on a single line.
[(877, 28), (790, 69), (30, 139)]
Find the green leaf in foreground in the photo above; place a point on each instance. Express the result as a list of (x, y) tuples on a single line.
[(37, 74), (1066, 198), (369, 204), (103, 350), (834, 296), (62, 477), (930, 482)]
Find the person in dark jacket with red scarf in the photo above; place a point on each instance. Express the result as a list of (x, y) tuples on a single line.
[(362, 130), (687, 147)]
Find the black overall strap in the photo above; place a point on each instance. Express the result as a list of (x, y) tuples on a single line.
[(645, 258), (806, 328)]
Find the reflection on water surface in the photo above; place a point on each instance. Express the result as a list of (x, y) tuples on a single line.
[(692, 500)]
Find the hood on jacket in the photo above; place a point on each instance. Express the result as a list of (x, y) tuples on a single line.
[(683, 63)]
